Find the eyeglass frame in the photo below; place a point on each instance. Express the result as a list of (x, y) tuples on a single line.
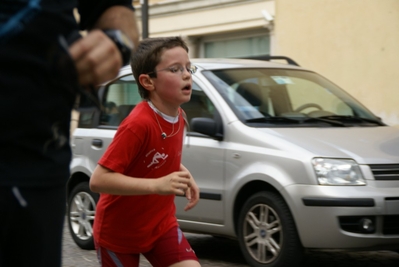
[(192, 69)]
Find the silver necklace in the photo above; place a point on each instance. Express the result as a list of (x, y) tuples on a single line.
[(163, 134)]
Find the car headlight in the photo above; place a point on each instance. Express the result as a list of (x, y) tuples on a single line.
[(337, 172)]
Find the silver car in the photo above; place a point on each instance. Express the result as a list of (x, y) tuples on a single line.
[(285, 161)]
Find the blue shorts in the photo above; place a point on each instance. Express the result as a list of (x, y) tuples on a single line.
[(171, 248)]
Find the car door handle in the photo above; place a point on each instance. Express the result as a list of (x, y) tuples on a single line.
[(97, 143)]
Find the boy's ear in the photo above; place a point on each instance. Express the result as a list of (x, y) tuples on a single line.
[(146, 81)]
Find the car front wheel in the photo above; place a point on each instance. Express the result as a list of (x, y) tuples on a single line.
[(81, 211), (267, 233)]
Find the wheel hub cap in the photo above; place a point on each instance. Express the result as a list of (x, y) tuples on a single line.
[(263, 233)]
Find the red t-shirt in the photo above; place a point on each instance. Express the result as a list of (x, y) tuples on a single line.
[(131, 224)]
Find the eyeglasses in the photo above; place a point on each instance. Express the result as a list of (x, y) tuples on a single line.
[(178, 69)]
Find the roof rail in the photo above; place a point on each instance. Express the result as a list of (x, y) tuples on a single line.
[(269, 58)]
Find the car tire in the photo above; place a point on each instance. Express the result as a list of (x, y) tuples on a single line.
[(81, 211), (267, 233)]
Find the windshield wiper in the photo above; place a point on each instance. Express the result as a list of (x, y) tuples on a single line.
[(271, 119), (335, 120), (351, 118), (280, 119), (323, 119)]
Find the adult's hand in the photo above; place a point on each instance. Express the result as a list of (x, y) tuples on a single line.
[(96, 57)]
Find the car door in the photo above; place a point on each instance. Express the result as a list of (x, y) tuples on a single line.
[(203, 157)]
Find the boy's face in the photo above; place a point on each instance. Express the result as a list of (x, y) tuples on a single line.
[(172, 85)]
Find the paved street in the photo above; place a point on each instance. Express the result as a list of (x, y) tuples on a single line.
[(217, 252)]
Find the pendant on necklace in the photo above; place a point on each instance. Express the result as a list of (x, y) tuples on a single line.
[(163, 135)]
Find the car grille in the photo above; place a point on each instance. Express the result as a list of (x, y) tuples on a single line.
[(385, 172), (391, 225), (354, 224)]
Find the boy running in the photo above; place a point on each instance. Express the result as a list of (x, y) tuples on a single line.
[(141, 171)]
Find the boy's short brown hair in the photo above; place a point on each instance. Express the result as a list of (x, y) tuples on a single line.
[(148, 55)]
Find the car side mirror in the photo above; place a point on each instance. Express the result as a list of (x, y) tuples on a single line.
[(206, 126)]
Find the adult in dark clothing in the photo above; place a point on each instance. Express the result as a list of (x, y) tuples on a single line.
[(42, 69)]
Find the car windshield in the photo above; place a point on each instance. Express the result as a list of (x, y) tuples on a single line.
[(262, 96)]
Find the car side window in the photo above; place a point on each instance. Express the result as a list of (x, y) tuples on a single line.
[(199, 106), (120, 98)]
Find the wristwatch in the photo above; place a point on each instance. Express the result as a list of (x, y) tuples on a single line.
[(122, 42)]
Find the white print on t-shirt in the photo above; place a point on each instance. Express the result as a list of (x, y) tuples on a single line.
[(156, 157), (190, 250)]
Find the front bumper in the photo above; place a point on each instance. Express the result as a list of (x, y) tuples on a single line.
[(346, 217)]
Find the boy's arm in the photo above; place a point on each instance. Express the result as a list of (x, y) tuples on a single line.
[(104, 180), (192, 193)]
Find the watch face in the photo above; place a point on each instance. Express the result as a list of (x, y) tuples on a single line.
[(125, 40), (122, 42)]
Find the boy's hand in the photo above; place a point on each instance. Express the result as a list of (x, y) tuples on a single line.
[(175, 183), (192, 193)]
